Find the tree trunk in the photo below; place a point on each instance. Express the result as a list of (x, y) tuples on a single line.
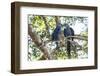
[(47, 26), (37, 40)]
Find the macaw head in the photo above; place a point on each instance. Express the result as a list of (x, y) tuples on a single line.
[(65, 26)]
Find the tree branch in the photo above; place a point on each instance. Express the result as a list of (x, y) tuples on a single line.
[(57, 20), (78, 37), (47, 26), (37, 40)]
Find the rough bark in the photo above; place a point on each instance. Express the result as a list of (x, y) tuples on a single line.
[(37, 40), (78, 37)]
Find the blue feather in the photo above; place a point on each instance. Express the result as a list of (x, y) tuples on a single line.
[(56, 32)]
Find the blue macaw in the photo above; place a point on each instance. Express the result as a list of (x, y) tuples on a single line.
[(56, 34), (68, 31)]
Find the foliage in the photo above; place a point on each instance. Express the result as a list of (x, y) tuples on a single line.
[(33, 51), (40, 27)]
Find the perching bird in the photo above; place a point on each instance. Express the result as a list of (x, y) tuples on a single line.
[(68, 31), (72, 33), (56, 35)]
